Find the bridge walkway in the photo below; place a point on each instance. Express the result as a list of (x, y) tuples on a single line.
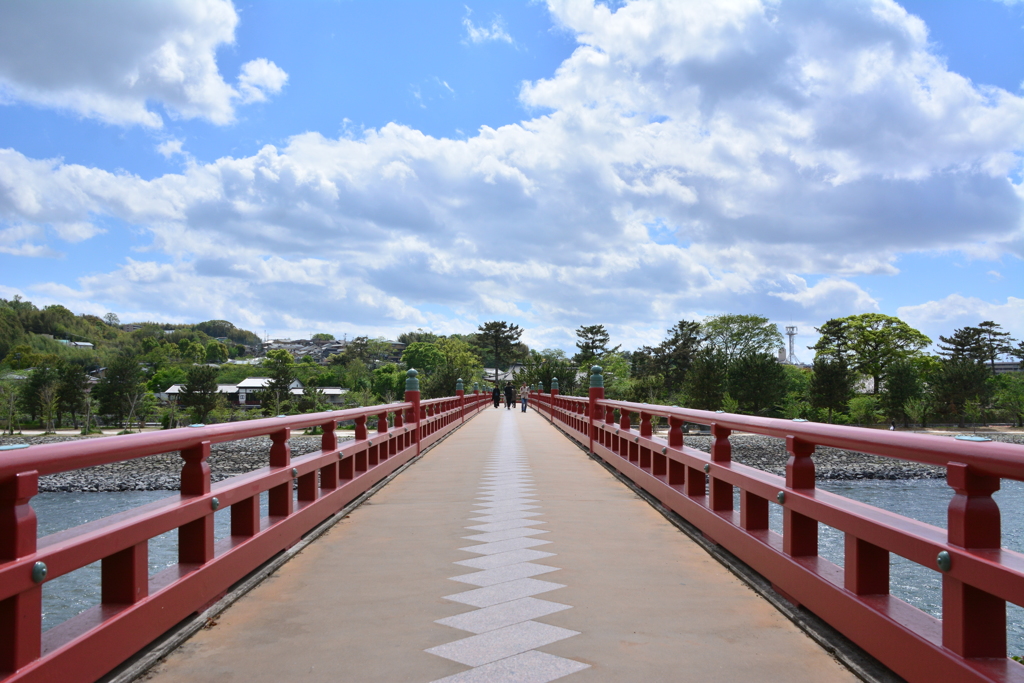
[(538, 565)]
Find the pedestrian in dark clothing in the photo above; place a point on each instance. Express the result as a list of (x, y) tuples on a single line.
[(496, 395), (510, 396)]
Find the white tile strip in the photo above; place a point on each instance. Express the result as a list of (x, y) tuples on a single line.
[(503, 649)]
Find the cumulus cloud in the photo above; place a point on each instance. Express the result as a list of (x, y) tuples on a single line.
[(111, 60), (770, 144), (260, 77), (954, 311), (482, 34)]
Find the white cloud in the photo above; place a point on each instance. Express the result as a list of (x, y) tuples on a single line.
[(482, 34), (260, 77), (772, 145), (954, 311), (169, 148), (111, 60)]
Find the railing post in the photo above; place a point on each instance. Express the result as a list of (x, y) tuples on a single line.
[(720, 492), (973, 621), (195, 539), (412, 395), (800, 533), (21, 615), (595, 395), (461, 393), (554, 394), (328, 443)]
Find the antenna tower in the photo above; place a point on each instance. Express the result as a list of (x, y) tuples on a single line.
[(791, 333)]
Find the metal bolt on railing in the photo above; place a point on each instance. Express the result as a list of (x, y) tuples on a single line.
[(39, 572), (295, 472), (781, 497), (944, 561), (214, 503)]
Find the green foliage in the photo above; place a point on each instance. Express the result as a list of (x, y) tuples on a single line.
[(902, 384), (323, 336), (1009, 395), (199, 393), (388, 383), (741, 335), (672, 358), (864, 409), (758, 382), (163, 379), (592, 342), (499, 339), (831, 384), (542, 367), (424, 356), (870, 343), (708, 379), (957, 383), (216, 352)]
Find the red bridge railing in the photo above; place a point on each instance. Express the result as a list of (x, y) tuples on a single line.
[(135, 608), (978, 576)]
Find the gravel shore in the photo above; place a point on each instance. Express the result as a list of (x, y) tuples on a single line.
[(161, 472)]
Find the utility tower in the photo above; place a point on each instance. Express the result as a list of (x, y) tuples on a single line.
[(791, 333)]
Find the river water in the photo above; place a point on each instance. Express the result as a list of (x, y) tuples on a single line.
[(925, 500)]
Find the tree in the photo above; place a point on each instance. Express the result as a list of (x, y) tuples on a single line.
[(757, 382), (164, 378), (313, 400), (831, 384), (957, 383), (216, 352), (111, 319), (279, 366), (965, 344), (592, 342), (39, 388), (864, 409), (997, 342), (120, 384), (707, 380), (72, 385), (672, 358), (388, 383), (323, 336), (902, 384), (424, 356), (499, 338), (458, 361), (199, 393), (870, 342), (741, 335), (9, 403), (420, 335), (1009, 395)]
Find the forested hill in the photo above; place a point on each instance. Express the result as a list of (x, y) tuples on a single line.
[(26, 330)]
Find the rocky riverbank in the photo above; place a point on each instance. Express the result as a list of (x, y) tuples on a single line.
[(162, 472), (769, 454)]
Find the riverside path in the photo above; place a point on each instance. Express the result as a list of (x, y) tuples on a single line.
[(505, 554)]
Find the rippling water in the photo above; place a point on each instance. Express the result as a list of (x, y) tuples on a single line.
[(925, 500)]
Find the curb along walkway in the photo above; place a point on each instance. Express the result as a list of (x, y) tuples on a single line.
[(505, 554)]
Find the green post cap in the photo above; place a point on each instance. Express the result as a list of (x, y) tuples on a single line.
[(554, 384), (411, 381), (596, 378), (476, 386), (458, 385)]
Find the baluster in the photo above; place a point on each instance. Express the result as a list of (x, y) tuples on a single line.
[(328, 444), (280, 496), (645, 433), (720, 492), (973, 621), (382, 430), (800, 533), (361, 454), (195, 539), (21, 615)]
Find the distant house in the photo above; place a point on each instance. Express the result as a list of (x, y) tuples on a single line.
[(1005, 367), (334, 396), (249, 387), (173, 391)]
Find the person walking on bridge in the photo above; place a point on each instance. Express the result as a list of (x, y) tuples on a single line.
[(496, 395), (510, 396), (524, 391)]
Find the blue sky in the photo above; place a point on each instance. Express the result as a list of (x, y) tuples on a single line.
[(369, 168)]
